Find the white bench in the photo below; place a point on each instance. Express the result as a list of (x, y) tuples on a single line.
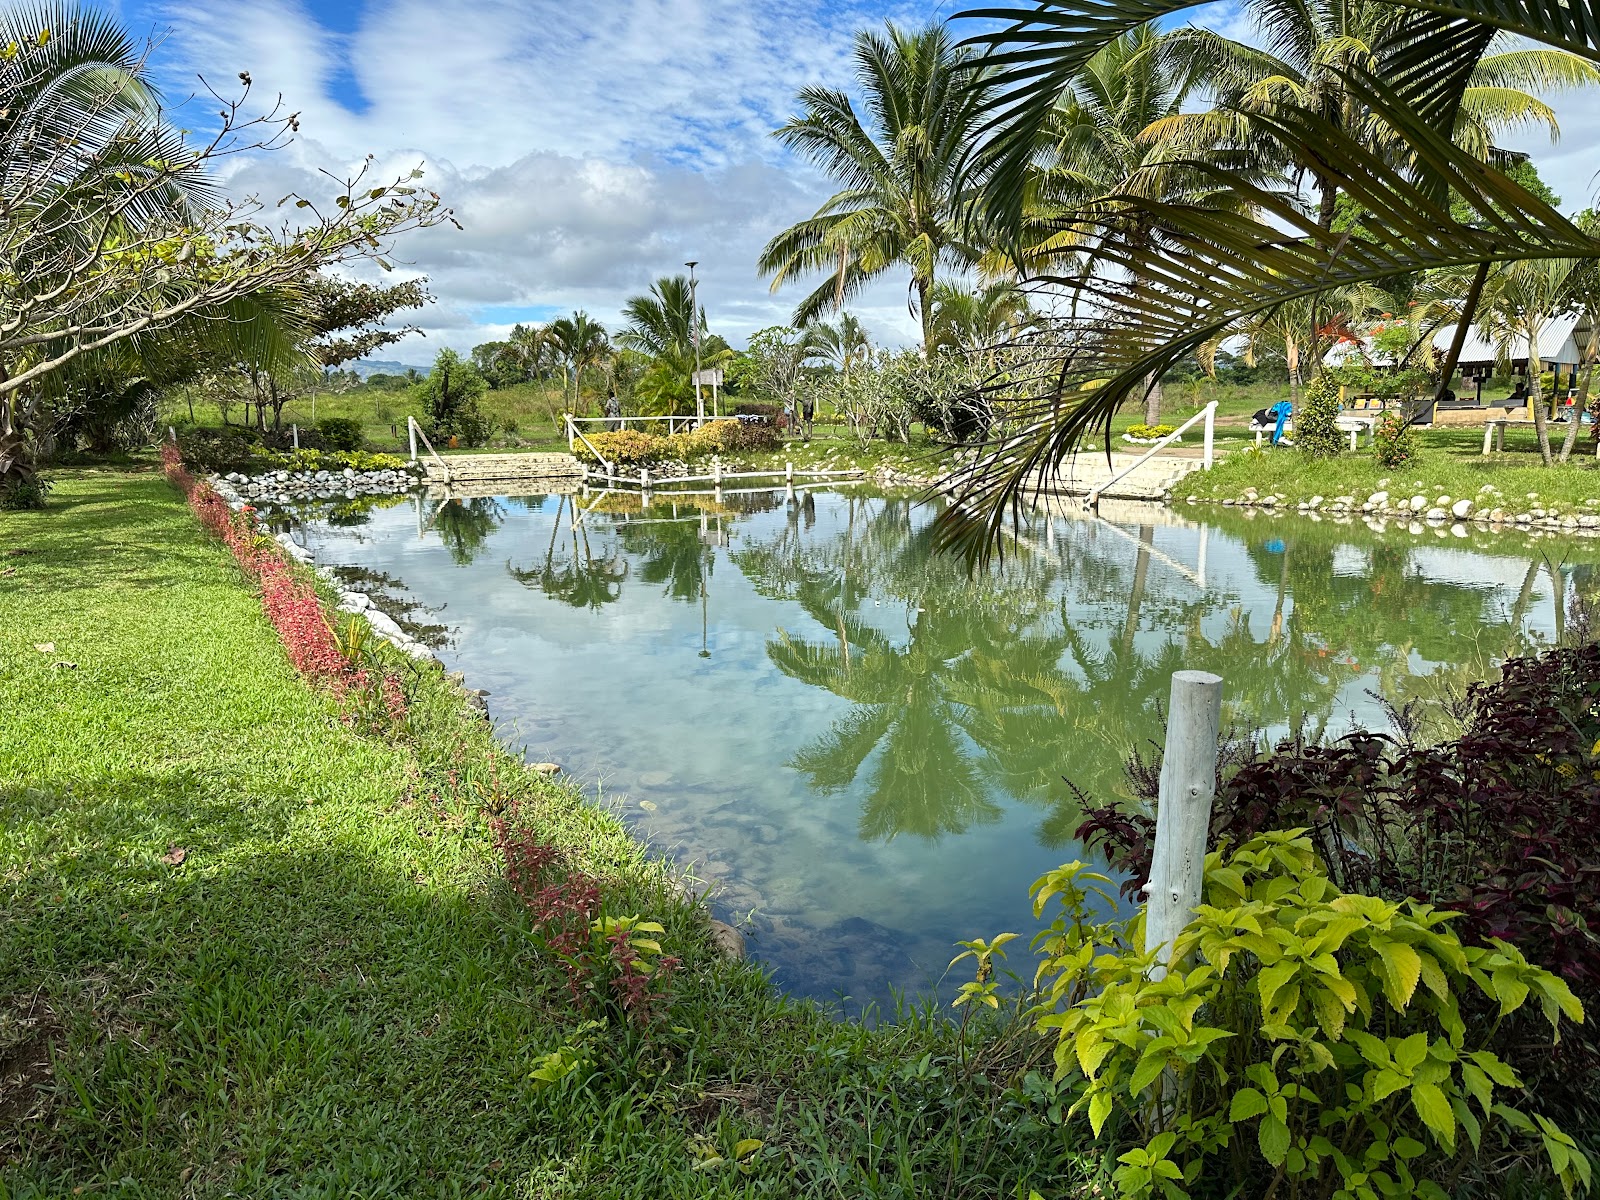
[(1355, 423)]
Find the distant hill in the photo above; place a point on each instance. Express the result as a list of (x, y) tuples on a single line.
[(383, 366)]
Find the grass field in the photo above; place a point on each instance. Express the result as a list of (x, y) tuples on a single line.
[(245, 951)]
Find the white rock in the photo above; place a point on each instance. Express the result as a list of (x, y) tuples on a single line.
[(354, 601), (1419, 502), (1378, 499), (1435, 514), (417, 650), (383, 624), (1461, 509)]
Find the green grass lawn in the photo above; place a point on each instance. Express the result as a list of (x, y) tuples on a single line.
[(332, 994), (1448, 462)]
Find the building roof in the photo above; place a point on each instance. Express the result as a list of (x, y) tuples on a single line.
[(1558, 343)]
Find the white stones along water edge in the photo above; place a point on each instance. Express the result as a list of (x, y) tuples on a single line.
[(1490, 510), (239, 490)]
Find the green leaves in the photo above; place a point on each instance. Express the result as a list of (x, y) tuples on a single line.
[(1361, 1091)]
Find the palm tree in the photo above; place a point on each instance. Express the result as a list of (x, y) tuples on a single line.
[(904, 200), (843, 342), (1311, 48), (664, 326), (1522, 301), (967, 320), (580, 342), (1103, 139), (1146, 310)]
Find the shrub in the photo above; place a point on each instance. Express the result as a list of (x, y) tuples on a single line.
[(625, 447), (723, 437), (1392, 443), (340, 433), (1150, 432), (1315, 1047), (610, 964), (23, 494), (1316, 428), (1500, 825)]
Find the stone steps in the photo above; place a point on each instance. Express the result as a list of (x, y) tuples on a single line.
[(1149, 481)]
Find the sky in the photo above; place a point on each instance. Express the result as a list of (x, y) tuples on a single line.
[(586, 147)]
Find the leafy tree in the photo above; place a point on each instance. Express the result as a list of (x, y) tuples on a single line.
[(969, 320), (904, 199), (111, 226), (451, 394), (775, 364)]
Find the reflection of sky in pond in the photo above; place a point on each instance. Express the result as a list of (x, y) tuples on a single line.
[(864, 748)]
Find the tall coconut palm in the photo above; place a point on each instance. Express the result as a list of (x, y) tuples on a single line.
[(903, 201), (1310, 47), (1103, 139)]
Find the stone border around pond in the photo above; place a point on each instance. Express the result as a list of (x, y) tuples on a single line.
[(292, 487), (1487, 510)]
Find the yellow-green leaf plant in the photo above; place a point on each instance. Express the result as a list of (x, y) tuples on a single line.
[(1305, 1042)]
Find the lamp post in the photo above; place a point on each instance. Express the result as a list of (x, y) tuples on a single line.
[(694, 339)]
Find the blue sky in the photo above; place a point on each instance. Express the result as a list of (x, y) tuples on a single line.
[(588, 148)]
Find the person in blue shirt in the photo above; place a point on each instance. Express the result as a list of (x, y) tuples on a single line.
[(1280, 412)]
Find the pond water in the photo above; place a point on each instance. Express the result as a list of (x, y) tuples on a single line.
[(869, 753)]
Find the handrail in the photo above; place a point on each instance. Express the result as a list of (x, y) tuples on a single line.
[(1208, 414), (573, 430), (443, 466)]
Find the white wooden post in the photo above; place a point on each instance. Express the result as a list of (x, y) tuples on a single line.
[(1211, 421), (411, 432), (1183, 815), (644, 479), (716, 471), (567, 417), (788, 473), (295, 431)]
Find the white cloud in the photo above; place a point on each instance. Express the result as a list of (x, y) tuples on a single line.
[(586, 153)]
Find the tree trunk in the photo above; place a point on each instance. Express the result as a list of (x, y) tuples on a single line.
[(1541, 425), (17, 468), (1152, 400), (1291, 355), (924, 293), (1580, 404)]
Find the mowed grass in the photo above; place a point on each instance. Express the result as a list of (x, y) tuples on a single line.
[(1448, 462), (245, 951)]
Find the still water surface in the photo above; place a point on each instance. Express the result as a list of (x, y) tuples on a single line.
[(867, 752)]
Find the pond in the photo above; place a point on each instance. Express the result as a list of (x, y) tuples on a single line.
[(869, 754)]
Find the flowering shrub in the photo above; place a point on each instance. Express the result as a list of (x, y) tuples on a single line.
[(624, 447), (290, 602), (1149, 433), (1392, 443)]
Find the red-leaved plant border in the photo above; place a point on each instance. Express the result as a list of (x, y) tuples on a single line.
[(291, 603)]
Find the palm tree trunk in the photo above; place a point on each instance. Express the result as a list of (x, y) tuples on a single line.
[(1541, 426), (1580, 405), (1141, 572), (16, 462), (1291, 355), (1152, 400), (924, 294)]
